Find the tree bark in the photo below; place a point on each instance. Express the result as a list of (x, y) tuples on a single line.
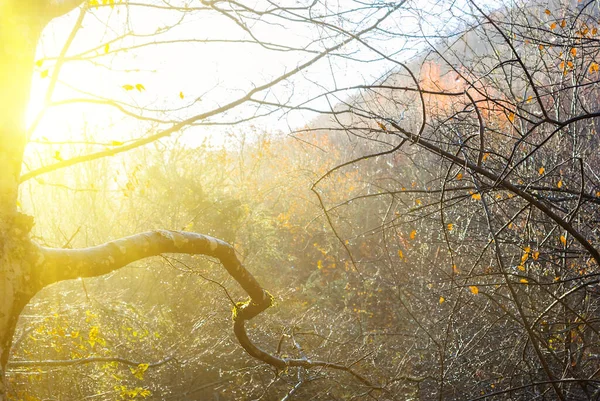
[(21, 23)]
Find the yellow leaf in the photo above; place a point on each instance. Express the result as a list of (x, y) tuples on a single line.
[(563, 240), (559, 185), (529, 99), (44, 74), (94, 3), (455, 269), (106, 48), (450, 226), (486, 155), (442, 300), (181, 95), (476, 196), (535, 255), (521, 267), (541, 170), (527, 249), (459, 176), (474, 289), (140, 87), (320, 264), (418, 201), (39, 63), (511, 117), (593, 67), (127, 87), (413, 234), (400, 254), (523, 281), (139, 370), (116, 143), (381, 126)]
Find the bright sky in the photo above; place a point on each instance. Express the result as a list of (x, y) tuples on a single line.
[(216, 73), (206, 74)]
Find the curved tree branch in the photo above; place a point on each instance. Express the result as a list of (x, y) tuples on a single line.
[(54, 265)]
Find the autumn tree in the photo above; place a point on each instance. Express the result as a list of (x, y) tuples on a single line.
[(27, 266)]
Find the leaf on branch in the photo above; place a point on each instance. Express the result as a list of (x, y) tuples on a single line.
[(44, 73), (382, 126), (541, 170), (523, 281), (413, 234), (128, 87), (116, 143), (474, 290), (106, 48), (140, 87), (593, 67), (573, 52), (442, 300), (476, 196), (181, 95), (563, 240), (450, 226), (547, 12), (553, 26)]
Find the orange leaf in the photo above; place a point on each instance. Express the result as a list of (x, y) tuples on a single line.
[(442, 299), (476, 196), (474, 289), (541, 170), (535, 255), (400, 254), (413, 234), (563, 240), (521, 267), (553, 26), (573, 52), (593, 67), (450, 226), (523, 281), (547, 12), (559, 185), (459, 176), (563, 23)]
